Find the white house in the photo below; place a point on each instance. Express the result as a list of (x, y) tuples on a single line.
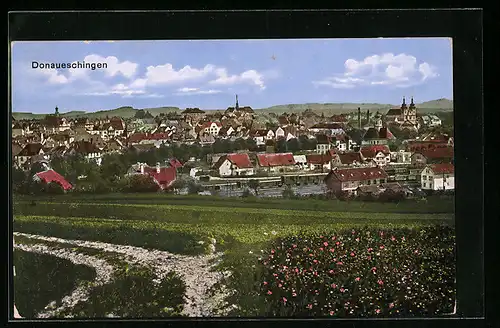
[(280, 133), (431, 120), (380, 154), (301, 162), (401, 157), (234, 165), (438, 177), (212, 128)]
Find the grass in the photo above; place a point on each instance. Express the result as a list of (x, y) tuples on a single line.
[(433, 204), (36, 276)]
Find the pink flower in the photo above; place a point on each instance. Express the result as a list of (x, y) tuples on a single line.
[(280, 285), (381, 233), (334, 286), (342, 290), (294, 294), (391, 305), (311, 255), (358, 279), (331, 271), (333, 238), (275, 274), (353, 232), (321, 237), (265, 283), (309, 306), (374, 268), (377, 311), (269, 292), (315, 273), (284, 299), (337, 243), (416, 251), (370, 249), (332, 313), (352, 254), (315, 261), (321, 248), (285, 267), (380, 282), (297, 270), (369, 258), (325, 243), (357, 239), (294, 246), (316, 291), (393, 238), (403, 238), (339, 263), (382, 247), (332, 250), (272, 251)]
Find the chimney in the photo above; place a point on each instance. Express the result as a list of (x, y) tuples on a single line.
[(359, 118), (142, 168), (158, 167), (368, 116)]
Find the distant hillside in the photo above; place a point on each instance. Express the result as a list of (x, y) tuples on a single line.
[(433, 106), (124, 112)]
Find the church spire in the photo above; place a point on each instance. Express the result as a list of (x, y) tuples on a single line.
[(56, 111), (237, 105), (403, 105), (412, 104)]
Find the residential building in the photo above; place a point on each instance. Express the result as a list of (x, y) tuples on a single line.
[(27, 153), (348, 180), (438, 177), (276, 163), (231, 165), (324, 143), (379, 153), (433, 156), (87, 149), (321, 162)]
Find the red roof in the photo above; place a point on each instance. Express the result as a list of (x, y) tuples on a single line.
[(350, 157), (165, 177), (281, 159), (52, 176), (358, 174), (444, 168), (441, 152), (157, 136), (371, 151), (240, 160), (174, 162), (318, 159), (137, 137)]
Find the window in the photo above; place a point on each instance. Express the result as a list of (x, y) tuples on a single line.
[(369, 182), (424, 177), (424, 185)]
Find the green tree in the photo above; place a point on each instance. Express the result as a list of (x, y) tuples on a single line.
[(18, 179), (194, 187), (54, 188), (140, 183), (288, 192), (293, 145), (254, 185), (113, 167), (281, 146)]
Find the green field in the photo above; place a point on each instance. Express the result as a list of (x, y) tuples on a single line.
[(243, 228)]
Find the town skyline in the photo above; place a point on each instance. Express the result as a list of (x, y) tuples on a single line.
[(209, 73)]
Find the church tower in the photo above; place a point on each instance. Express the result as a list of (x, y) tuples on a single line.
[(237, 107), (412, 113), (56, 113)]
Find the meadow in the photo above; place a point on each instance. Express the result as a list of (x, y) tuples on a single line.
[(239, 231)]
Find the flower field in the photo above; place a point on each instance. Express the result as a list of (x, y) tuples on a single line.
[(248, 260)]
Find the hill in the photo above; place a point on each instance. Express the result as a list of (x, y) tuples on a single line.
[(433, 106), (124, 112)]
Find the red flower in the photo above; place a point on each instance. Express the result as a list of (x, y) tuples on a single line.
[(374, 268), (380, 282), (269, 292), (358, 279), (315, 273), (332, 313), (325, 243), (337, 243), (352, 254)]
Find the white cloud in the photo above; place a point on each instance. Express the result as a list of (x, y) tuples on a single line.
[(163, 74), (250, 76), (195, 91), (53, 76), (387, 69), (113, 67)]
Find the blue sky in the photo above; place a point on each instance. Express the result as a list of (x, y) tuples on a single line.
[(208, 73)]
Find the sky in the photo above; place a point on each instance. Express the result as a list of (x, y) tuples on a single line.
[(209, 73)]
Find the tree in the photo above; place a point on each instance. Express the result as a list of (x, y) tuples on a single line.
[(251, 144), (18, 179), (179, 184), (293, 145), (246, 193), (281, 146), (254, 184), (288, 192), (112, 167), (54, 188), (141, 183), (194, 187)]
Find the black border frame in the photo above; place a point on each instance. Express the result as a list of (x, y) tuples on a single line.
[(463, 25)]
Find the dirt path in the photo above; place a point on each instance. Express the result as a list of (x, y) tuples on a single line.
[(103, 270), (195, 270)]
